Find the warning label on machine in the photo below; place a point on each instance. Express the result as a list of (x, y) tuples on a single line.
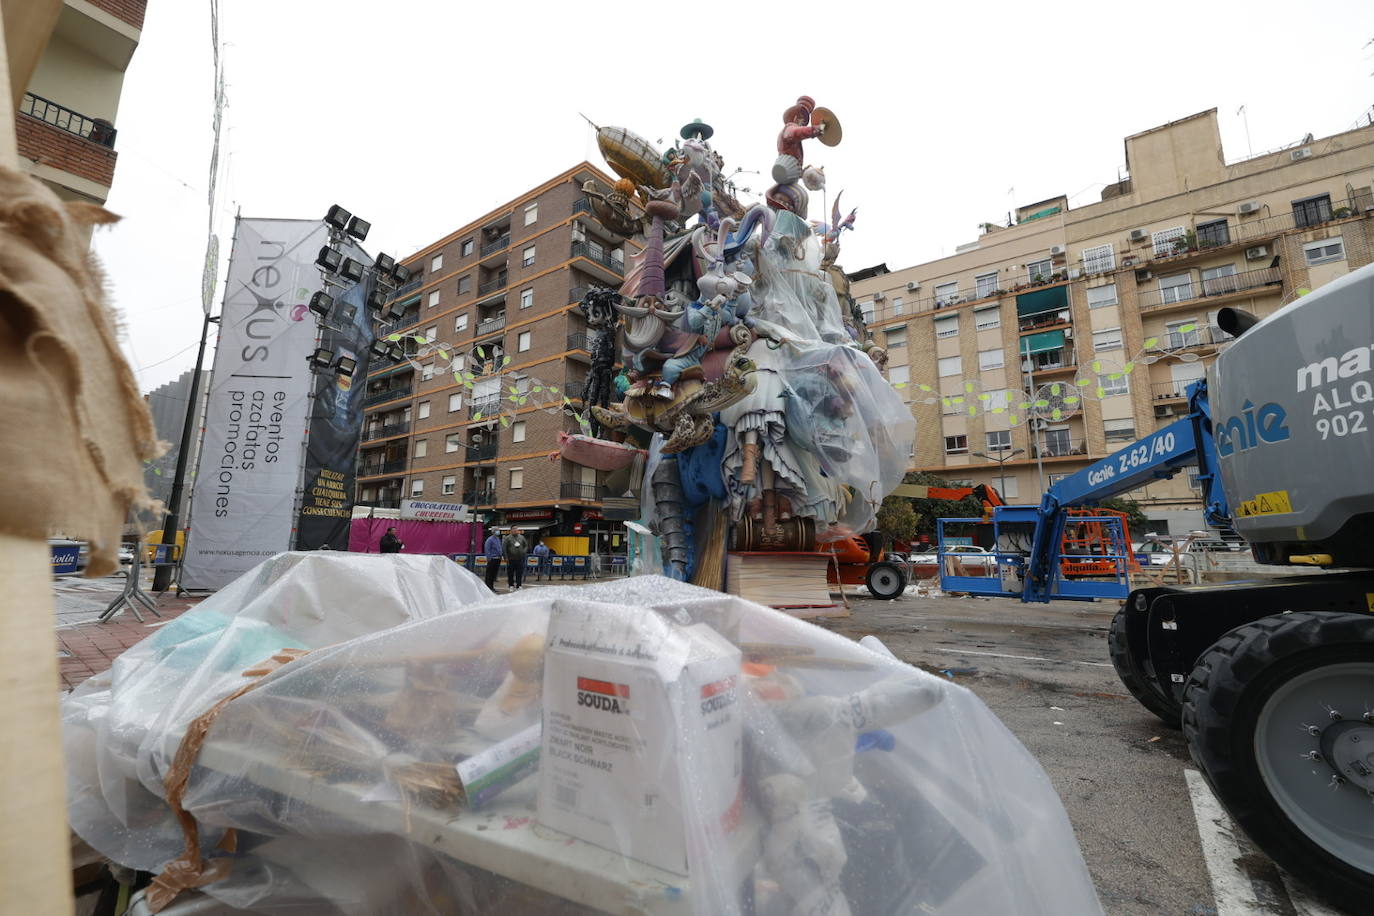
[(1275, 503)]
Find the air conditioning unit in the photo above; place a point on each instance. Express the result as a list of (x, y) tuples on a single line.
[(1057, 251), (1143, 276), (1297, 154), (912, 286), (1250, 206), (1075, 273), (1068, 332), (1163, 410), (578, 233), (1258, 253), (1139, 235), (1130, 261), (879, 297)]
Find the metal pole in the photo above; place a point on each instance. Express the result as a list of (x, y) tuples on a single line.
[(1035, 443), (162, 575)]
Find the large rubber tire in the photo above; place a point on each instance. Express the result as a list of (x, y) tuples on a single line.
[(1248, 699), (886, 581), (1132, 674)]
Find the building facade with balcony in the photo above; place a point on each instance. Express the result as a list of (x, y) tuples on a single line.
[(1100, 316), (65, 121), (475, 417)]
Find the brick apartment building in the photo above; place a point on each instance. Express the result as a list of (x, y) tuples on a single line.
[(500, 296), (1115, 301), (65, 122)]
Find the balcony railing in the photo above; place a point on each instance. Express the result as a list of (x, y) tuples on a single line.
[(484, 452), (573, 490), (1048, 360), (574, 390), (485, 406), (388, 429), (488, 325), (93, 129), (579, 342), (1245, 229), (480, 497), (888, 308), (599, 255), (389, 394), (1058, 447), (396, 466), (582, 205), (406, 289), (1171, 391), (1218, 286), (495, 245), (1043, 320), (492, 285)]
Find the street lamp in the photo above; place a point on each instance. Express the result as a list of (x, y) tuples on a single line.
[(1001, 470)]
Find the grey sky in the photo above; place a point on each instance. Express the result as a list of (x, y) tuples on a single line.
[(421, 116)]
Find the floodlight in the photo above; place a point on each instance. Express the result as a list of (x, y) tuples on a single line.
[(321, 303), (401, 273), (338, 217), (329, 260), (358, 228), (398, 311), (396, 353), (376, 301), (351, 270), (350, 312), (346, 366), (322, 358), (385, 263), (379, 347)]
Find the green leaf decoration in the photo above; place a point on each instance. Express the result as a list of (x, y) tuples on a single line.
[(393, 337), (443, 354), (420, 338), (1303, 291), (972, 411), (467, 385), (926, 388), (553, 390), (477, 415), (482, 352), (1151, 343), (899, 386), (968, 386), (1056, 414), (999, 410), (1082, 382), (1116, 375), (1072, 400), (1097, 365), (520, 402), (1129, 368), (505, 421), (1101, 392), (1187, 327), (505, 361), (537, 388), (1040, 402), (985, 396), (1013, 419), (1056, 389)]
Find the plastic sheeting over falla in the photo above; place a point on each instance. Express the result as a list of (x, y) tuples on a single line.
[(418, 746)]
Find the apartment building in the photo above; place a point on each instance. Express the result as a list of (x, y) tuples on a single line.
[(65, 121), (1060, 338), (167, 404), (479, 421)]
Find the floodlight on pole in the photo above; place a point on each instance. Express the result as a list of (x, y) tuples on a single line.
[(322, 358), (358, 228), (379, 348), (338, 218), (401, 273), (376, 300), (346, 366), (385, 264), (351, 270), (321, 303), (329, 260)]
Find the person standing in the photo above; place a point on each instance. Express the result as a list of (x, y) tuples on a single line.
[(516, 547), (541, 551), (492, 550), (390, 542)]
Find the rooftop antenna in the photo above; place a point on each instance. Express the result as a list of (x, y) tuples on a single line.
[(1249, 150)]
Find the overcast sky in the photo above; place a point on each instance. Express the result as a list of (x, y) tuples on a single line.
[(421, 116)]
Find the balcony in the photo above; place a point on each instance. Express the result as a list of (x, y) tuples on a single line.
[(389, 394), (582, 205), (1060, 447), (485, 451), (598, 254), (406, 289), (1171, 390), (480, 497), (1198, 336), (494, 246), (491, 325), (1063, 359), (1194, 290), (589, 492), (49, 135), (579, 341), (492, 285), (1037, 322), (485, 406), (574, 390), (99, 132), (395, 466), (386, 430)]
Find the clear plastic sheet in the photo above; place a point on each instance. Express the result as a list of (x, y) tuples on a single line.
[(696, 753)]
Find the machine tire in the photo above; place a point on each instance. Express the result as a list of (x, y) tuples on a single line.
[(1133, 676), (886, 581), (1245, 708)]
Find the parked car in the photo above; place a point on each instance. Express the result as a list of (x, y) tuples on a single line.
[(961, 560)]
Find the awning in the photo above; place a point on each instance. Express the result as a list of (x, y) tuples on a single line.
[(1042, 300), (1045, 340)]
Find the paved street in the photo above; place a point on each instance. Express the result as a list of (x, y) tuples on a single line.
[(1122, 774)]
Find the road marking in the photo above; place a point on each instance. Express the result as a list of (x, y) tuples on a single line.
[(1032, 658), (1224, 846)]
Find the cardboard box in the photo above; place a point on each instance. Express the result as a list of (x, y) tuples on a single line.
[(642, 732)]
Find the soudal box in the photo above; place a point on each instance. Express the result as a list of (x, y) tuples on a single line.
[(641, 743)]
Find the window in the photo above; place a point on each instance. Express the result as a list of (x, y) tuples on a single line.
[(432, 333), (1178, 337), (449, 485), (950, 365), (1099, 259), (1106, 339), (517, 431), (947, 327), (455, 402), (532, 214), (1178, 288), (426, 372), (460, 360), (1194, 477), (1310, 211), (1055, 443), (417, 488), (421, 448), (999, 440), (453, 442), (987, 319), (896, 337), (946, 293), (1009, 487), (1213, 234), (984, 285), (461, 322), (991, 359), (868, 312), (434, 298), (526, 298), (899, 375), (1325, 251), (464, 284), (1164, 240), (1119, 430), (467, 248), (956, 445), (527, 259), (1102, 296), (1214, 280), (896, 305), (952, 405), (1039, 270), (436, 263), (517, 478), (423, 412), (1111, 386), (522, 343)]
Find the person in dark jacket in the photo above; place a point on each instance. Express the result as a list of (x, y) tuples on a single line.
[(492, 549), (390, 542), (516, 548)]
